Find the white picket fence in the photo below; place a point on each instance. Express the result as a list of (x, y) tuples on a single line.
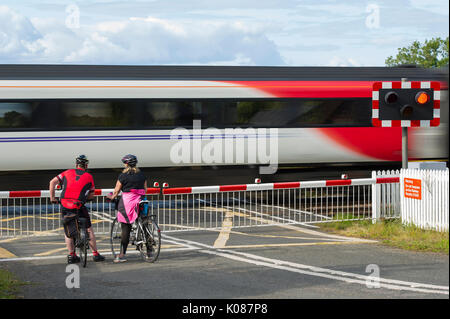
[(424, 197), (385, 197)]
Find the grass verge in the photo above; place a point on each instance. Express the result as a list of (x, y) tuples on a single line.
[(393, 233), (9, 285)]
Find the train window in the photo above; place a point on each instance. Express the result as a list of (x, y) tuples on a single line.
[(302, 112), (168, 114), (46, 115), (97, 114), (15, 115), (218, 113)]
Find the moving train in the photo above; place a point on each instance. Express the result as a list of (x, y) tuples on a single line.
[(185, 116)]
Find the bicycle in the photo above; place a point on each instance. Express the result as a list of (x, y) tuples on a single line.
[(145, 235), (75, 228)]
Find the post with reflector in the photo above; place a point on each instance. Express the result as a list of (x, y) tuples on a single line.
[(405, 109), (404, 147)]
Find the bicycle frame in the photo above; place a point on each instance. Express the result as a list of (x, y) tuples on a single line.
[(142, 233)]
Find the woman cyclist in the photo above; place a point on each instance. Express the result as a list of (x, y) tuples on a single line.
[(133, 184)]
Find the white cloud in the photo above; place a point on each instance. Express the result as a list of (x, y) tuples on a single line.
[(437, 7), (17, 35), (340, 61), (134, 41), (223, 32), (157, 41)]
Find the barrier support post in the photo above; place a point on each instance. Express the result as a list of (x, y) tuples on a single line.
[(376, 200)]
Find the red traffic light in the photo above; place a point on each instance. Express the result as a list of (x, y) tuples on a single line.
[(422, 98)]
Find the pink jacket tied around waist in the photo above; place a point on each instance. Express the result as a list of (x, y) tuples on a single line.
[(130, 201)]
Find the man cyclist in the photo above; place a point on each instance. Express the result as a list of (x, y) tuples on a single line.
[(77, 188)]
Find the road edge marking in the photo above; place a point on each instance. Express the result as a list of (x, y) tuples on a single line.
[(4, 253)]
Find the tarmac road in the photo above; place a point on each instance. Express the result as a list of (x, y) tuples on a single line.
[(272, 262)]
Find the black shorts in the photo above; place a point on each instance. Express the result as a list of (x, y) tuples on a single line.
[(82, 212)]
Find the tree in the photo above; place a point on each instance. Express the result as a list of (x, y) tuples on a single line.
[(14, 119), (432, 53)]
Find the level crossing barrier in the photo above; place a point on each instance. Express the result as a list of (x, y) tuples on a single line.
[(28, 213)]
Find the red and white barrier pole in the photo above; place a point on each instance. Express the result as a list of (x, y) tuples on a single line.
[(223, 188)]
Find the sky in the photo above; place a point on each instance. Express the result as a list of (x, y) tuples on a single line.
[(215, 32)]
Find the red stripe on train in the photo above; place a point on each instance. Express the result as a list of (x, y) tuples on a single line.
[(380, 143), (311, 89), (318, 89)]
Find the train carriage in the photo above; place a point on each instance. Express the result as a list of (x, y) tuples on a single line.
[(318, 115)]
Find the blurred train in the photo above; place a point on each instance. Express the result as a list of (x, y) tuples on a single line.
[(321, 115)]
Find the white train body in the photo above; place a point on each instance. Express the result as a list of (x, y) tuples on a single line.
[(34, 147)]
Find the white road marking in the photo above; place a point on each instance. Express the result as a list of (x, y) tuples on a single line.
[(298, 211), (315, 271), (347, 277)]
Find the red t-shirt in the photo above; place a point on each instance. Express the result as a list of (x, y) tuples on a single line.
[(76, 185)]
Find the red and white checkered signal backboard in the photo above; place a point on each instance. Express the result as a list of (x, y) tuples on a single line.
[(377, 86)]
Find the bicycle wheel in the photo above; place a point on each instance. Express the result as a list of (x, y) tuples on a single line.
[(151, 241), (83, 246), (115, 238), (84, 254)]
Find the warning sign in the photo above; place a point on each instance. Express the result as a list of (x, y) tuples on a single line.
[(413, 188)]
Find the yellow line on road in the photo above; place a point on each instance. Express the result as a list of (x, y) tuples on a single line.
[(224, 234), (47, 243), (14, 218), (10, 239), (6, 253), (29, 216), (49, 252), (10, 229)]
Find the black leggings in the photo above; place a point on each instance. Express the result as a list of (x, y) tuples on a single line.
[(126, 230)]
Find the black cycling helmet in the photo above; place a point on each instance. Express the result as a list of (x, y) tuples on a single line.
[(82, 160), (129, 159)]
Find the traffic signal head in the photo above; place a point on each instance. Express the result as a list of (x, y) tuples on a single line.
[(391, 97), (422, 98), (406, 104)]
